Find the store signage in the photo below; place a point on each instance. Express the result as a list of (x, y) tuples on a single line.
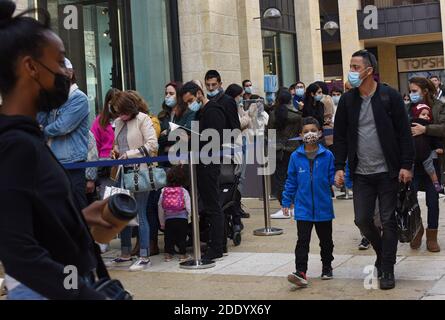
[(421, 64)]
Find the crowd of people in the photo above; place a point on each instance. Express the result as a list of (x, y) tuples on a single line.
[(47, 210)]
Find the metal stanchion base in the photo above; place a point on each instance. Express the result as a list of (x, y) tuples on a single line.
[(197, 265), (265, 232)]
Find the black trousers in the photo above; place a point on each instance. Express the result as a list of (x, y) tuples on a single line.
[(79, 185), (366, 191), (324, 233), (176, 235), (280, 176), (208, 187)]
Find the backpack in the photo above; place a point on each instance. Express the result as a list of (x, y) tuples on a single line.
[(173, 199)]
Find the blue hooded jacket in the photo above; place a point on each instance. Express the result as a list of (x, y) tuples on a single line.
[(309, 187)]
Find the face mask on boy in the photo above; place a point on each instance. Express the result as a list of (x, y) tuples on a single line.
[(311, 138)]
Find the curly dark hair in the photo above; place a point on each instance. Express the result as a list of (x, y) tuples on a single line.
[(177, 176)]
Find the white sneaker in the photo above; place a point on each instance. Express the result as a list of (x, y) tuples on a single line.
[(141, 264), (280, 215)]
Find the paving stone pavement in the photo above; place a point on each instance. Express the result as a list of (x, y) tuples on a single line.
[(257, 269)]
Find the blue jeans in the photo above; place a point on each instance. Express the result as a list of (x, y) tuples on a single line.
[(24, 293), (152, 213), (144, 228), (243, 166)]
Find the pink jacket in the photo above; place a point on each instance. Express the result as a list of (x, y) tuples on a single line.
[(104, 138)]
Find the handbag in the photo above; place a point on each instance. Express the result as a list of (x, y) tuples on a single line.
[(408, 215), (112, 289), (144, 180)]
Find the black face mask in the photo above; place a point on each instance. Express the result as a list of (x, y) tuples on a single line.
[(49, 100)]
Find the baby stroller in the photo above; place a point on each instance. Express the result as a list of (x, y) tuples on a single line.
[(229, 181)]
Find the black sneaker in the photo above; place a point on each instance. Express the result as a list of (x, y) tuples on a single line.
[(327, 273), (225, 252), (299, 279), (388, 281), (364, 245)]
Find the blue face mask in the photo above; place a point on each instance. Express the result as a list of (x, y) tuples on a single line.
[(195, 106), (299, 92), (248, 90), (170, 102), (214, 93), (336, 100), (354, 79), (318, 98), (415, 98)]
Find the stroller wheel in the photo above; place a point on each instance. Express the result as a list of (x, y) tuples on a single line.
[(237, 239)]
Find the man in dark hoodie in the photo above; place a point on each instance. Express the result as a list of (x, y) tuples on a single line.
[(211, 115), (41, 231)]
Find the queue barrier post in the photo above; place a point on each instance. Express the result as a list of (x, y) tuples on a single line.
[(197, 263)]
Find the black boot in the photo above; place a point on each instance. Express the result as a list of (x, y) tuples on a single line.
[(388, 281), (378, 266)]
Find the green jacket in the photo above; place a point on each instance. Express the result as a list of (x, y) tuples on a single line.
[(437, 129)]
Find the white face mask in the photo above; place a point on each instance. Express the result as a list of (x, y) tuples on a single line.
[(311, 138)]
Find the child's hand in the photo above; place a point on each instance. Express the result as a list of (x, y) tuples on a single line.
[(286, 212), (340, 178), (162, 227), (439, 151)]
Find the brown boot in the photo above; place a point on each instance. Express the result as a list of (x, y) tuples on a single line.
[(417, 241), (431, 241), (154, 249)]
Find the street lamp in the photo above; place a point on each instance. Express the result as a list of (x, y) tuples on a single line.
[(270, 13), (331, 27)]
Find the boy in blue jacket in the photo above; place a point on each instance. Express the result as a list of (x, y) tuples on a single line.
[(310, 177)]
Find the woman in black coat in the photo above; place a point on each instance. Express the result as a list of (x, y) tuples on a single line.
[(313, 107)]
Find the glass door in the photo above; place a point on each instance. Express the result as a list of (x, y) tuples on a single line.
[(94, 45), (98, 52)]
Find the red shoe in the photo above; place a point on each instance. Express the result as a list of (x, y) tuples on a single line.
[(299, 279)]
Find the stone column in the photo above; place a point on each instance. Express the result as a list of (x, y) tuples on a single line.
[(349, 35), (310, 52), (388, 66), (210, 39), (250, 44), (442, 14)]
